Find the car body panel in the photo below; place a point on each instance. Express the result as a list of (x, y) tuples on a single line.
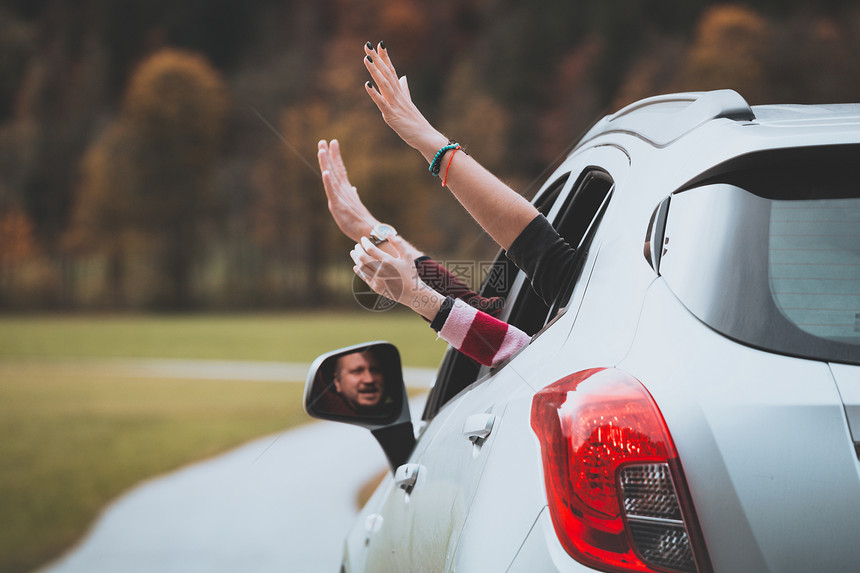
[(398, 511), (490, 538), (426, 522)]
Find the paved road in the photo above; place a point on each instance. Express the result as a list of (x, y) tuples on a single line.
[(280, 504)]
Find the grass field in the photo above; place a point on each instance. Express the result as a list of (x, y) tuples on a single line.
[(281, 337), (74, 437)]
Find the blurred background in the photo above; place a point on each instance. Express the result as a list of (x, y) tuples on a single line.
[(161, 155), (160, 196)]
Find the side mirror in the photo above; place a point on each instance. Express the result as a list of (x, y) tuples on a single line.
[(363, 385)]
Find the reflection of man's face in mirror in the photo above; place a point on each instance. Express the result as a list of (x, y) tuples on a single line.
[(358, 379)]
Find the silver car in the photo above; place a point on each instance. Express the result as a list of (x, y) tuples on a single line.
[(691, 404)]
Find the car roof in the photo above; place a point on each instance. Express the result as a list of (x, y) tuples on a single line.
[(808, 114), (674, 141)]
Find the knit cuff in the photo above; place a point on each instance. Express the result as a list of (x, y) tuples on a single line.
[(442, 316), (481, 337)]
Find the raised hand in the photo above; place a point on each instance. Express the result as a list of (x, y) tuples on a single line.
[(394, 276), (501, 211), (347, 210), (395, 103)]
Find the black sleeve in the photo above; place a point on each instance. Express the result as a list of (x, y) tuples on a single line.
[(545, 257)]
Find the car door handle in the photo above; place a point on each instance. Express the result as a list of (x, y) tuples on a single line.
[(406, 475), (478, 426)]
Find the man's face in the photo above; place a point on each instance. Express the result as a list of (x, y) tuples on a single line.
[(358, 379)]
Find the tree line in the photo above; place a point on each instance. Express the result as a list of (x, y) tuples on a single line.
[(161, 155)]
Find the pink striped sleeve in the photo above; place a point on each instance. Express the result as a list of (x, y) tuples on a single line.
[(480, 336)]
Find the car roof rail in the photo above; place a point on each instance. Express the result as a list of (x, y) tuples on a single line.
[(663, 119)]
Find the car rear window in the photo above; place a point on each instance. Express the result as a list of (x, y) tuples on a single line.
[(765, 249)]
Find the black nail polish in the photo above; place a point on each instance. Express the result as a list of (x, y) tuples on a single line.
[(382, 44), (369, 59), (369, 46), (369, 84)]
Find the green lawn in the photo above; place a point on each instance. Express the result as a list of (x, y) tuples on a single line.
[(73, 436), (277, 337)]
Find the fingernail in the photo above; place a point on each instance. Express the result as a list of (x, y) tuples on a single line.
[(368, 84), (382, 44), (369, 46), (365, 242), (369, 59)]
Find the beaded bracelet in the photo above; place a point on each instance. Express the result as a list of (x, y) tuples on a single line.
[(436, 164)]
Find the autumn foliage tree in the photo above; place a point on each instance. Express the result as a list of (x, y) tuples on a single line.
[(148, 182), (288, 211), (731, 50), (110, 142)]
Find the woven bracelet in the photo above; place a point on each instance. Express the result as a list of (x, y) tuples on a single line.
[(450, 161)]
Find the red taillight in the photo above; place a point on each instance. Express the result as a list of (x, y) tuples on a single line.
[(614, 485)]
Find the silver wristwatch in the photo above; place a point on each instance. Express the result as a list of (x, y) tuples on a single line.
[(380, 233)]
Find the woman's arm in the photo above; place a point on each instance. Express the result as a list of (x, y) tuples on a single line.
[(500, 210), (473, 332), (393, 275)]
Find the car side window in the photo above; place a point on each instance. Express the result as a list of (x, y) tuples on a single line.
[(576, 223), (457, 371)]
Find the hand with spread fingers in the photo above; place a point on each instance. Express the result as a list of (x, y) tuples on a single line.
[(347, 210), (391, 96), (394, 276), (351, 215), (500, 210)]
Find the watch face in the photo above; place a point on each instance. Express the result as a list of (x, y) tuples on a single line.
[(380, 233)]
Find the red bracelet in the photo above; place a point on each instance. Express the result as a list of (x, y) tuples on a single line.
[(450, 160)]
